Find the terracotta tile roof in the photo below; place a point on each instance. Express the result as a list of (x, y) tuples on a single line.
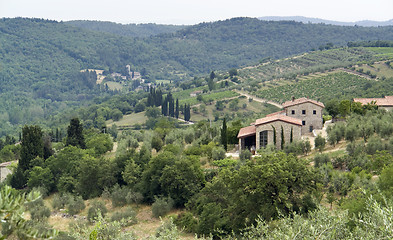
[(246, 131), (6, 164), (278, 117), (276, 113), (300, 101), (386, 101)]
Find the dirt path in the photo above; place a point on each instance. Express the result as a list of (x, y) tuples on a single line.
[(261, 100)]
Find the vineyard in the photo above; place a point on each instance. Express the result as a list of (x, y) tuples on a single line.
[(316, 61), (335, 85), (209, 97)]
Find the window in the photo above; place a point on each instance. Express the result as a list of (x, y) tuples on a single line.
[(314, 112), (263, 139), (303, 112), (293, 112), (303, 123)]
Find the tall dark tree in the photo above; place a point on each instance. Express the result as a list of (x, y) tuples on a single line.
[(75, 134), (210, 84), (164, 107), (187, 112), (224, 137), (177, 108), (282, 138), (212, 75), (32, 146)]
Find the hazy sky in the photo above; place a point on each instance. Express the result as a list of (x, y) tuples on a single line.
[(195, 11)]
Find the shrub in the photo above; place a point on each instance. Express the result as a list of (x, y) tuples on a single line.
[(218, 153), (75, 205), (134, 197), (162, 206), (189, 136), (126, 217), (186, 221), (38, 210), (96, 206), (60, 200), (245, 155), (321, 159), (119, 196), (320, 143)]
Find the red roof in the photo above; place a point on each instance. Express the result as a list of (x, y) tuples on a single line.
[(246, 131), (276, 113), (386, 101), (278, 117), (6, 164), (300, 101)]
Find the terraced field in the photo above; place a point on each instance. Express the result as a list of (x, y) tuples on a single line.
[(334, 85)]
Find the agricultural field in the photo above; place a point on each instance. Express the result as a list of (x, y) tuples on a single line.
[(240, 106), (114, 85), (129, 120), (305, 64), (382, 51), (210, 97), (335, 85), (379, 69)]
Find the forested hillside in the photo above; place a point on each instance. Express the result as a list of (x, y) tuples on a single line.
[(41, 60), (130, 30)]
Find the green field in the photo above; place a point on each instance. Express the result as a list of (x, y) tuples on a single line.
[(129, 120), (384, 51), (114, 85), (209, 97)]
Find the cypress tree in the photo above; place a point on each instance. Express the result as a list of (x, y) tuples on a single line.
[(274, 136), (291, 136), (32, 146), (224, 138), (282, 138), (75, 134), (177, 108)]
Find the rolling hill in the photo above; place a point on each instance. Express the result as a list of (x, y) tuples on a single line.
[(130, 30), (41, 60), (363, 23)]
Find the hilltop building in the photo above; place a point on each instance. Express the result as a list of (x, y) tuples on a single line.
[(385, 103), (299, 117)]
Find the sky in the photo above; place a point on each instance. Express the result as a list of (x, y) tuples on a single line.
[(195, 11)]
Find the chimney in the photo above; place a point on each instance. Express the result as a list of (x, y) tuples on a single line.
[(293, 98)]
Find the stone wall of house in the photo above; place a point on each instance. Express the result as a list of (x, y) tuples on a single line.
[(4, 172), (309, 118), (296, 132)]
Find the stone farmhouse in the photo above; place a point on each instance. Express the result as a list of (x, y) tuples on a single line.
[(384, 103), (299, 117), (5, 170)]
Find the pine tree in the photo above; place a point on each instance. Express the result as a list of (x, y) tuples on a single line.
[(224, 137)]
